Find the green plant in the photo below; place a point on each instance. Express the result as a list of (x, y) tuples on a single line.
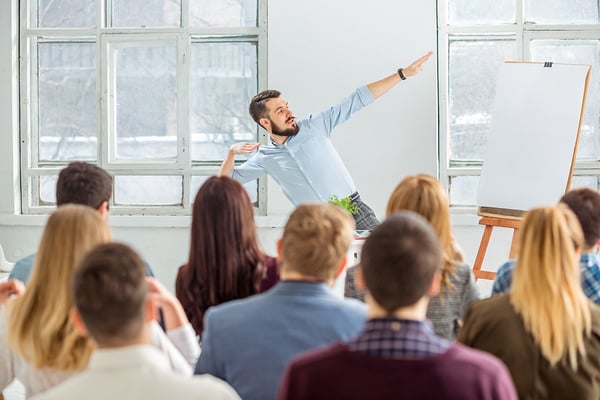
[(345, 202)]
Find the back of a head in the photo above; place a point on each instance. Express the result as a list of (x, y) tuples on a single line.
[(316, 239), (109, 291), (223, 229), (399, 260), (257, 106), (71, 231), (424, 195), (585, 203), (546, 289), (225, 261), (83, 183)]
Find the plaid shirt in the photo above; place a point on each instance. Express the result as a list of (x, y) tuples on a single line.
[(590, 276), (398, 338)]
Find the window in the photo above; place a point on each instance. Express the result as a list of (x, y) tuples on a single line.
[(153, 91), (475, 38)]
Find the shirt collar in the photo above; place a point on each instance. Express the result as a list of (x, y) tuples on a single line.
[(127, 357), (589, 259)]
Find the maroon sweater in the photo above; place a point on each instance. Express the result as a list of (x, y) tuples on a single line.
[(194, 310), (338, 373)]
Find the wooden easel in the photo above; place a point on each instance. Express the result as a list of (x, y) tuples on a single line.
[(490, 223), (514, 140)]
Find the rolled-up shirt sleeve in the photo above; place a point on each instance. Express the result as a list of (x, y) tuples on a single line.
[(250, 170)]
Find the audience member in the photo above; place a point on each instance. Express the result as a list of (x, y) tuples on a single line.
[(225, 262), (114, 307), (397, 354), (78, 183), (545, 329), (426, 196), (38, 344), (585, 203), (249, 342)]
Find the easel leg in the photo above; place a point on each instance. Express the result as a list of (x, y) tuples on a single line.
[(513, 244), (485, 240)]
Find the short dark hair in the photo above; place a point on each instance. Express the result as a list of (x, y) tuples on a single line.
[(257, 107), (399, 260), (110, 291), (83, 183), (585, 204)]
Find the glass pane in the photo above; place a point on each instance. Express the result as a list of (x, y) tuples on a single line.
[(473, 69), (463, 190), (146, 13), (468, 12), (66, 101), (148, 190), (47, 189), (585, 181), (63, 13), (561, 11), (146, 103), (578, 52), (223, 81), (197, 181), (224, 13)]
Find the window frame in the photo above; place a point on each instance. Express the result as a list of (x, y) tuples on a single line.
[(523, 33), (104, 37)]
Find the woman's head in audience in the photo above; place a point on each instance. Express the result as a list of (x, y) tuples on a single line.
[(39, 327), (425, 195), (546, 288), (225, 261)]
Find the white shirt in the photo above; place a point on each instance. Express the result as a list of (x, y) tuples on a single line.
[(136, 372), (35, 380)]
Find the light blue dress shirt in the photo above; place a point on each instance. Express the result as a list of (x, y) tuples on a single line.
[(307, 166)]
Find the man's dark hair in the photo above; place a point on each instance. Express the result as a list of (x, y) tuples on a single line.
[(83, 183), (399, 260), (109, 291), (258, 108), (585, 204)]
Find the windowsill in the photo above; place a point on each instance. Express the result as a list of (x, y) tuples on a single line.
[(139, 221), (459, 217)]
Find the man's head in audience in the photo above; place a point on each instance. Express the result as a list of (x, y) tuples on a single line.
[(315, 241), (585, 204), (400, 266), (86, 184), (111, 298)]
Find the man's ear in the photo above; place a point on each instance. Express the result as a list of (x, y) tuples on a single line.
[(151, 312), (280, 250), (266, 124), (341, 267), (436, 283), (359, 278), (103, 209), (77, 322)]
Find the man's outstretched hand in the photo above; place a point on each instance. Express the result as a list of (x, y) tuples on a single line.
[(416, 66)]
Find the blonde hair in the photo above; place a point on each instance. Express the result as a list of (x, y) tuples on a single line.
[(546, 289), (38, 321), (426, 196), (316, 238)]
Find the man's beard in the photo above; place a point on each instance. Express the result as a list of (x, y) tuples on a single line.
[(284, 132)]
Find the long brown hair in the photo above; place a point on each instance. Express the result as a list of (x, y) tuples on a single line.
[(225, 262), (426, 196)]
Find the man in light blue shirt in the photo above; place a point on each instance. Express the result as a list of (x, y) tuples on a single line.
[(300, 156)]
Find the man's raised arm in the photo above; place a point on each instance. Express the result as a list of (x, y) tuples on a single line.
[(234, 149), (380, 87)]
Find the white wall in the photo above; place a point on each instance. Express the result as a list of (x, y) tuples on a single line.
[(319, 51)]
